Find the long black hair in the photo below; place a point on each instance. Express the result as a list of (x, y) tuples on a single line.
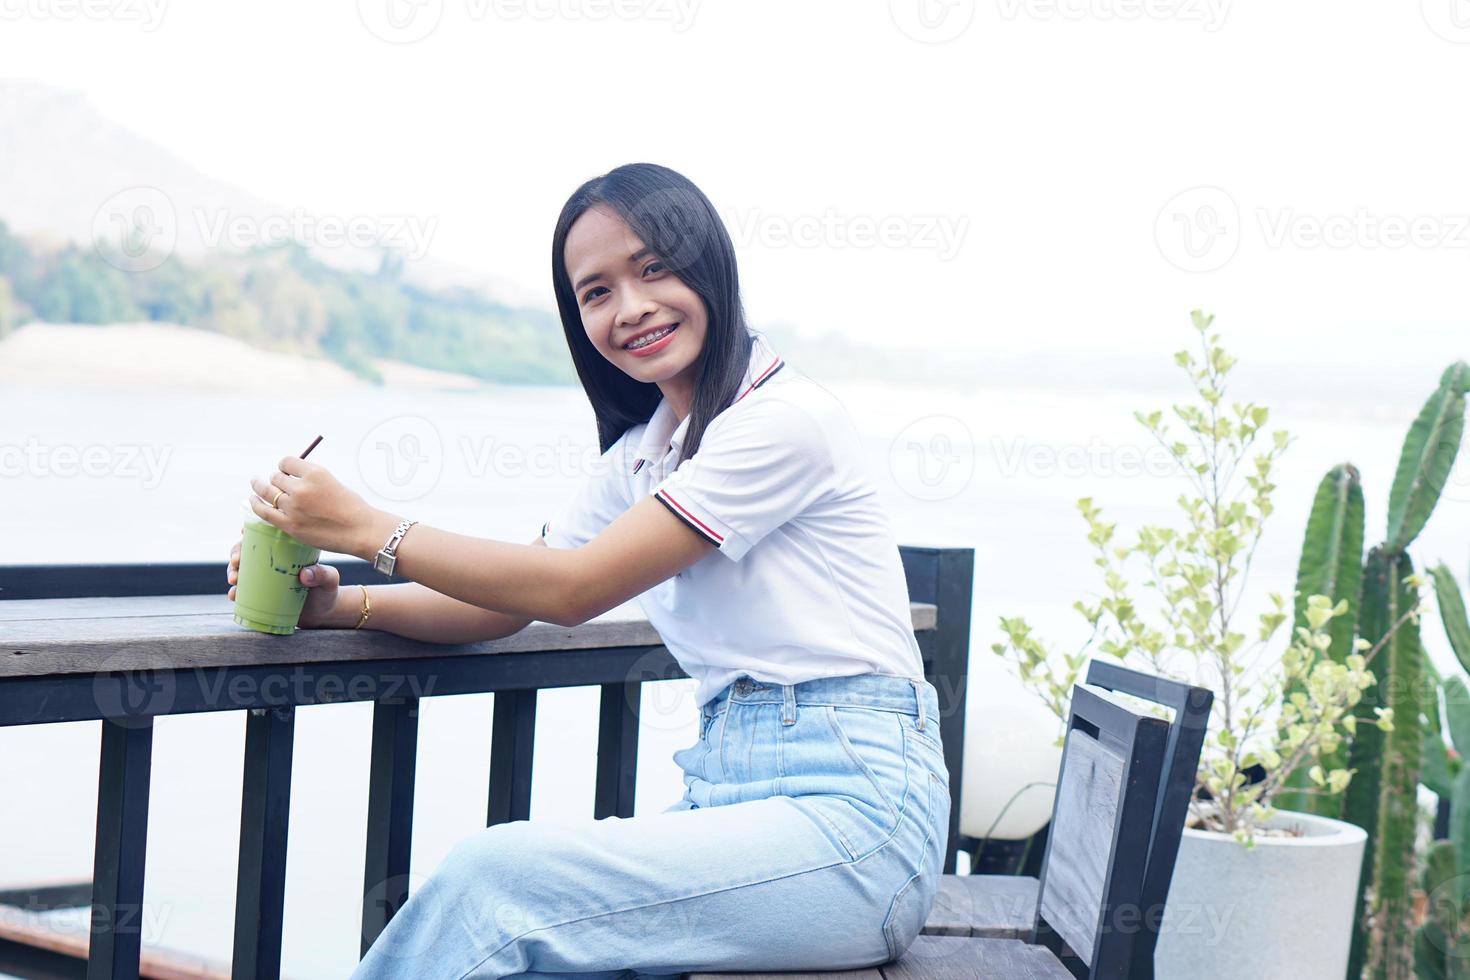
[(680, 225)]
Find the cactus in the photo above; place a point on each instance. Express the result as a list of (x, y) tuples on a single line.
[(1460, 826), (1442, 945), (1361, 804), (1382, 797), (1437, 774), (1452, 613), (1387, 599), (1427, 459), (1432, 943), (1332, 565), (1457, 714)]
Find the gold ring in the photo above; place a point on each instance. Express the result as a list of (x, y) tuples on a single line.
[(276, 497)]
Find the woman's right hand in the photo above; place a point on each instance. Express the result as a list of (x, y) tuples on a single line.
[(322, 582)]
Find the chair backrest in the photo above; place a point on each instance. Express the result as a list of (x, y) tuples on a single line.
[(1091, 887), (1191, 706)]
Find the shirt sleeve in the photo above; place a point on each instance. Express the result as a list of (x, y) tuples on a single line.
[(754, 471), (602, 497)]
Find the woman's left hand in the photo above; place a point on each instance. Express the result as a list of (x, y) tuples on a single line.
[(315, 508)]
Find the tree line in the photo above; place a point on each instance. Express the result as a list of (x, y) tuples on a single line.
[(283, 298)]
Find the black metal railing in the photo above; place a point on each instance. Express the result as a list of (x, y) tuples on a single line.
[(103, 657)]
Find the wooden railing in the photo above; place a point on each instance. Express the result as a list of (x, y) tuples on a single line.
[(124, 644)]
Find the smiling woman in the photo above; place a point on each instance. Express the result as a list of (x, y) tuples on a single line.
[(637, 252), (732, 499)]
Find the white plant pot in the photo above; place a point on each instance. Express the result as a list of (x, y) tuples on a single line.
[(1284, 909), (1011, 765)]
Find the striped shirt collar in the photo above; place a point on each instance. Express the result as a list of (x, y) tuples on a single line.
[(662, 434)]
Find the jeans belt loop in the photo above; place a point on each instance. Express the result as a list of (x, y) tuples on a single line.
[(919, 701), (788, 704)]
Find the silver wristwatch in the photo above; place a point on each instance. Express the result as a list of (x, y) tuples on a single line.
[(388, 554)]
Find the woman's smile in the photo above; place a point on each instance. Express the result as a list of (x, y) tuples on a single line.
[(647, 349)]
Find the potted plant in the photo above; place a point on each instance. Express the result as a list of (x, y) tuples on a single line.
[(1257, 890)]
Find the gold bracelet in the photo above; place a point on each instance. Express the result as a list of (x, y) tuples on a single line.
[(367, 609)]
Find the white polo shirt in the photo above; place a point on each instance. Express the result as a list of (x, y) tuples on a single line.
[(807, 581)]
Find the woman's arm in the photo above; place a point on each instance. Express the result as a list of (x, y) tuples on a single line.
[(419, 613), (564, 586)]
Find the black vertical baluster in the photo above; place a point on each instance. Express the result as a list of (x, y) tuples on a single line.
[(617, 749), (260, 884), (956, 587), (513, 736), (946, 577), (390, 814), (122, 834)]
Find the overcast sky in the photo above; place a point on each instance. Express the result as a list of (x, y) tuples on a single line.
[(1039, 174)]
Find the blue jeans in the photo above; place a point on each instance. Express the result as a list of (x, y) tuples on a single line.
[(811, 836)]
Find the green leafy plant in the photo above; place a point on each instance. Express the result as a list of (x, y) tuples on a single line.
[(1282, 714)]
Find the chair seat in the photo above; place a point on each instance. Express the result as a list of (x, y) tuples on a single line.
[(941, 958), (984, 906), (958, 958)]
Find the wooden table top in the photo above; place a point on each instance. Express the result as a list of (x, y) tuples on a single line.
[(68, 636)]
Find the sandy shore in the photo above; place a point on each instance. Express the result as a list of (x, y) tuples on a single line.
[(165, 356)]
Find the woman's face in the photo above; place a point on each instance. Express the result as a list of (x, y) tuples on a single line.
[(625, 292)]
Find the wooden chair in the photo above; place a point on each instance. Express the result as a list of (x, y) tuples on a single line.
[(1003, 906), (1087, 920)]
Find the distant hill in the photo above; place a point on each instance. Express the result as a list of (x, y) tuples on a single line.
[(284, 299), (98, 225), (63, 160)]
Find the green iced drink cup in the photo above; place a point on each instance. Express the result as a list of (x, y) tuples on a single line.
[(268, 593)]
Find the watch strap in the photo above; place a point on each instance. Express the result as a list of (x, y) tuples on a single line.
[(387, 555)]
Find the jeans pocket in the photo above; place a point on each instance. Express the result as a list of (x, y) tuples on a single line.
[(873, 747)]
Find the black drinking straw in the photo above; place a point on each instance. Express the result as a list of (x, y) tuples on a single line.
[(311, 447)]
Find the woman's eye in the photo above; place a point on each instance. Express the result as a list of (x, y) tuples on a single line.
[(590, 294)]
